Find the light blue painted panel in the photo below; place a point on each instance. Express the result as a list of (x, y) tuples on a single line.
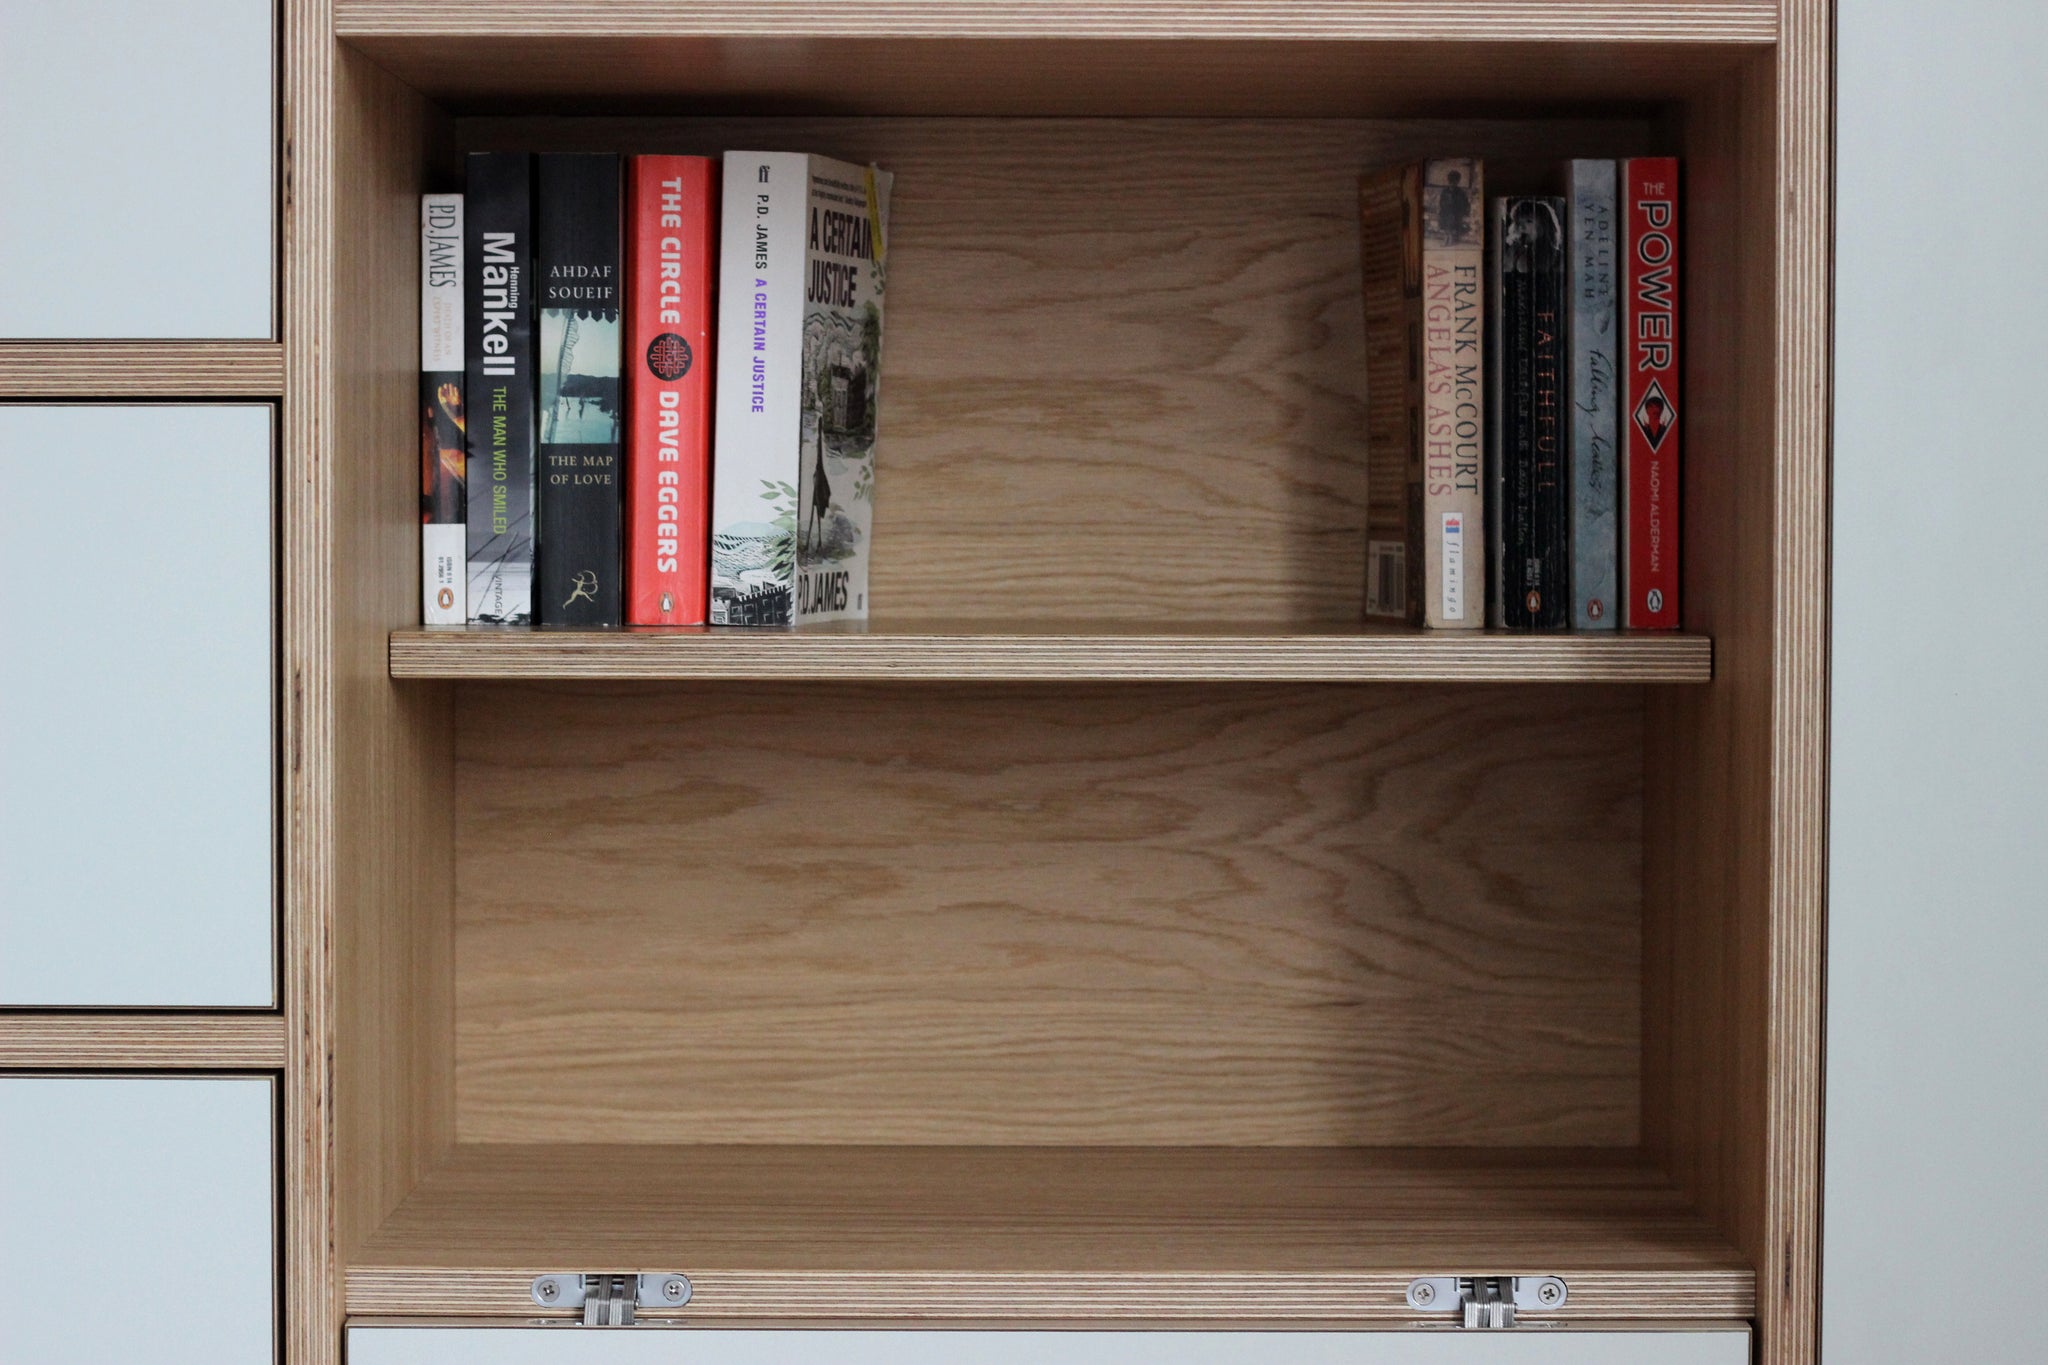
[(137, 168), (1937, 1087), (137, 1220), (573, 1345), (136, 717)]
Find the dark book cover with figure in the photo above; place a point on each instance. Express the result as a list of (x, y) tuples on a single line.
[(580, 409), (499, 393), (1509, 387)]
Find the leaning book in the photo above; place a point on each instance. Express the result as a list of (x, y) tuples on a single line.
[(1422, 255), (444, 554), (803, 253)]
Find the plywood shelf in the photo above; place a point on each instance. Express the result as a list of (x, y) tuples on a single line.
[(141, 369), (1243, 57), (888, 651), (128, 1039), (1045, 1232)]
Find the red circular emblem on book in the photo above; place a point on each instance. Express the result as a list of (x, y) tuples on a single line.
[(668, 356)]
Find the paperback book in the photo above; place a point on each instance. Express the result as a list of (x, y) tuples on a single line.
[(1594, 328), (444, 551), (499, 392), (1650, 473), (803, 270), (671, 253), (1527, 490), (578, 243), (1422, 257)]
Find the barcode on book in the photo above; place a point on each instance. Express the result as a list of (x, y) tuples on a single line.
[(1386, 578)]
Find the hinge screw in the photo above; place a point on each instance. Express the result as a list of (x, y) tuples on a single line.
[(1423, 1294), (547, 1291), (676, 1289), (1549, 1293)]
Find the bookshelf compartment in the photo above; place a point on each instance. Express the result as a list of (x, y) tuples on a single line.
[(1143, 976)]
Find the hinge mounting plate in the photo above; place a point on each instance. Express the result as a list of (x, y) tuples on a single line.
[(1487, 1302), (608, 1299)]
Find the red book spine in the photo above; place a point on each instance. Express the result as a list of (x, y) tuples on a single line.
[(1650, 474), (671, 263)]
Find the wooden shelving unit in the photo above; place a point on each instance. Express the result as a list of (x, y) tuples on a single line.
[(1139, 967), (961, 652)]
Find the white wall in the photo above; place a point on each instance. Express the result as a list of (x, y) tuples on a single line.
[(1937, 1099)]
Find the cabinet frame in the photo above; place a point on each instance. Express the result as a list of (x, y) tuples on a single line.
[(1743, 896)]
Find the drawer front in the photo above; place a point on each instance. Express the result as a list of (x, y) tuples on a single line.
[(136, 717), (137, 1220), (138, 160), (570, 1345)]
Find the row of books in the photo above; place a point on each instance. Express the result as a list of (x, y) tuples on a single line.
[(649, 389), (1522, 397)]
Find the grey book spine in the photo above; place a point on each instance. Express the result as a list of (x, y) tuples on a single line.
[(1593, 330)]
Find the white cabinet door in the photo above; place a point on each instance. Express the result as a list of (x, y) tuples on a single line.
[(136, 706), (136, 168), (1937, 1095), (137, 1220), (572, 1345)]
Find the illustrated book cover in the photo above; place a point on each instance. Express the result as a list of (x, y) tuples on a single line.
[(803, 258), (577, 242), (444, 549)]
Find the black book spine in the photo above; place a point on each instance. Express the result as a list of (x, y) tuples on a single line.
[(1546, 586), (580, 422), (1499, 328), (499, 392), (1517, 404)]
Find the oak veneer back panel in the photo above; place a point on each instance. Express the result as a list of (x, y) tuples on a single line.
[(1112, 915), (1125, 357), (386, 860)]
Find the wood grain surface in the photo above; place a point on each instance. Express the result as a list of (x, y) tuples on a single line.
[(1058, 915), (1125, 357), (1734, 807), (141, 369), (891, 650), (1268, 20), (392, 778), (308, 762), (591, 72), (1045, 1233), (124, 1041)]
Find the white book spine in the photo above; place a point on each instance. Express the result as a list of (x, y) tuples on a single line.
[(444, 547), (760, 354)]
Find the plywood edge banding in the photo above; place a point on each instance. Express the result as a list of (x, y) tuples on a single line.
[(141, 369), (1493, 21), (1251, 1296), (748, 656), (225, 1042)]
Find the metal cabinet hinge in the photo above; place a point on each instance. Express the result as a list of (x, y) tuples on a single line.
[(609, 1300), (1487, 1302)]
